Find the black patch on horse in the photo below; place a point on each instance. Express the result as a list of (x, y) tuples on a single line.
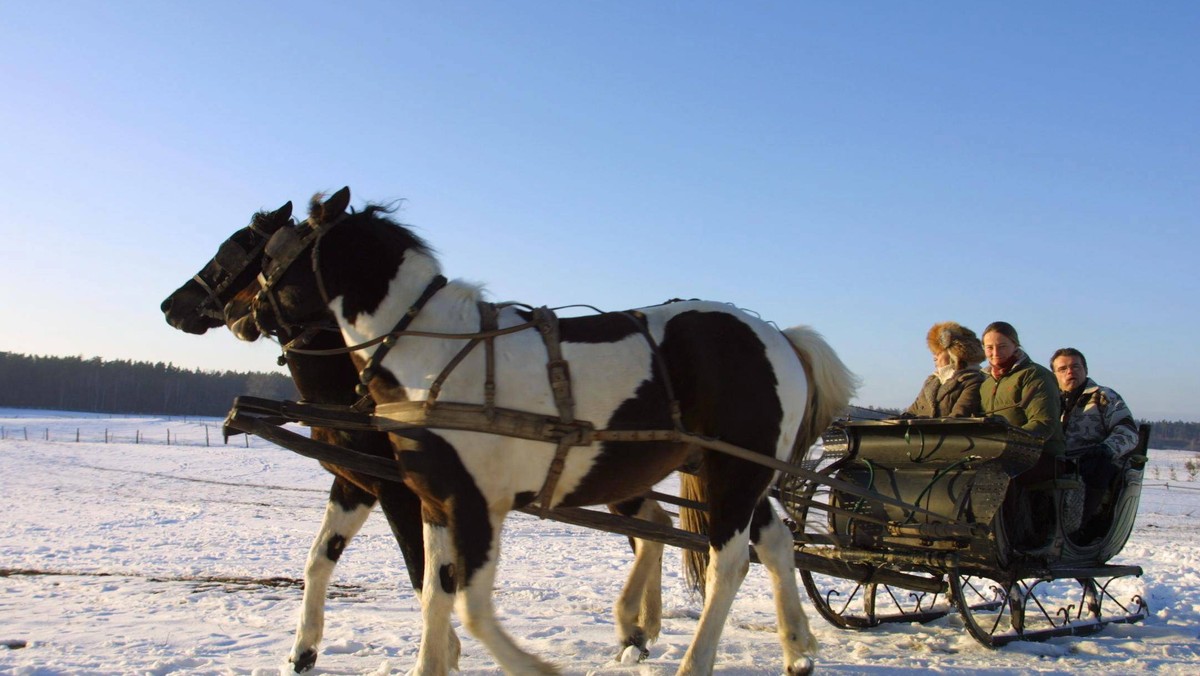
[(447, 578), (608, 327), (359, 263), (726, 388), (334, 547)]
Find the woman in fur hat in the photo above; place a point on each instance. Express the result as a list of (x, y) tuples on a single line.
[(953, 389)]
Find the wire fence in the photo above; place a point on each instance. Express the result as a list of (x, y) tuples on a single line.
[(184, 434)]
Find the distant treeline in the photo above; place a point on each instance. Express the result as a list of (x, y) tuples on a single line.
[(1183, 435), (78, 384), (97, 385)]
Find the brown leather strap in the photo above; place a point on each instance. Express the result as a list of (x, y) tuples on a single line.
[(489, 321), (559, 373), (372, 368)]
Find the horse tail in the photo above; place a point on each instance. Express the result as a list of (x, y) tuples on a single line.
[(831, 384), (694, 521)]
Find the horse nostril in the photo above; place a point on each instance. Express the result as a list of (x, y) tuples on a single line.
[(166, 305)]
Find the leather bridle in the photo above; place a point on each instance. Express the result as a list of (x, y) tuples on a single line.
[(283, 249), (232, 259)]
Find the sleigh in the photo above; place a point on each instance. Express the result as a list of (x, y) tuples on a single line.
[(893, 520), (1013, 569)]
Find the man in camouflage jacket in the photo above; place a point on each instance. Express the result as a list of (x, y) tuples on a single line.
[(1099, 427), (1092, 415)]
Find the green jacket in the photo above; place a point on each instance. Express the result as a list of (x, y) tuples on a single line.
[(1027, 397)]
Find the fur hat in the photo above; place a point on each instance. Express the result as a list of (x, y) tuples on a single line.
[(958, 340)]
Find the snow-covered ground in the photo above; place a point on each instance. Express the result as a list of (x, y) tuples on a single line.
[(136, 557)]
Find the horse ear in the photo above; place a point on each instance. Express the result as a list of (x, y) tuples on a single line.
[(336, 205), (281, 216)]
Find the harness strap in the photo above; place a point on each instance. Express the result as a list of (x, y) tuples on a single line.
[(489, 321), (559, 373), (265, 292), (215, 311), (372, 368)]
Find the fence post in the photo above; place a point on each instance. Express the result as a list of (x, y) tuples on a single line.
[(168, 436), (26, 431), (206, 435), (76, 435), (137, 436), (106, 435)]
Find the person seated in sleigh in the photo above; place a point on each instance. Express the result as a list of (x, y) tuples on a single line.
[(1099, 427), (952, 390)]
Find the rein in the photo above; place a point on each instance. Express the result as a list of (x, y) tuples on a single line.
[(478, 335)]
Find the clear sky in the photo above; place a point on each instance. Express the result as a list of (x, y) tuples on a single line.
[(868, 168)]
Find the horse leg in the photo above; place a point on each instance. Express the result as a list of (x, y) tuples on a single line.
[(347, 510), (402, 508), (727, 567), (638, 611), (437, 602), (774, 546), (479, 615)]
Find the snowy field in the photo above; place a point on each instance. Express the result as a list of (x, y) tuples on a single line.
[(120, 554)]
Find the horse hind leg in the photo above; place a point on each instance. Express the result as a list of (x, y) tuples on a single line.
[(727, 567), (347, 510), (774, 546), (638, 611)]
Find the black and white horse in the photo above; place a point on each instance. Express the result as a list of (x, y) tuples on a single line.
[(201, 303), (706, 366), (196, 307)]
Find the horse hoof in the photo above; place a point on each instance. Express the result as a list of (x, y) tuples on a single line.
[(633, 648), (801, 667), (632, 655), (304, 661)]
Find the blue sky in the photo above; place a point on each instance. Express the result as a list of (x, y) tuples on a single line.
[(867, 168)]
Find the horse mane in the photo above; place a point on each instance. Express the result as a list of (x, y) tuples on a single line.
[(322, 211)]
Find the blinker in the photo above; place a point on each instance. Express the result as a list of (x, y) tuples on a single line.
[(231, 257), (283, 243)]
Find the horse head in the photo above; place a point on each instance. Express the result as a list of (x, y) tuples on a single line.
[(198, 305), (337, 253)]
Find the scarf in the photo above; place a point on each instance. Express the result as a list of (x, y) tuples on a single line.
[(945, 373), (1001, 369)]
